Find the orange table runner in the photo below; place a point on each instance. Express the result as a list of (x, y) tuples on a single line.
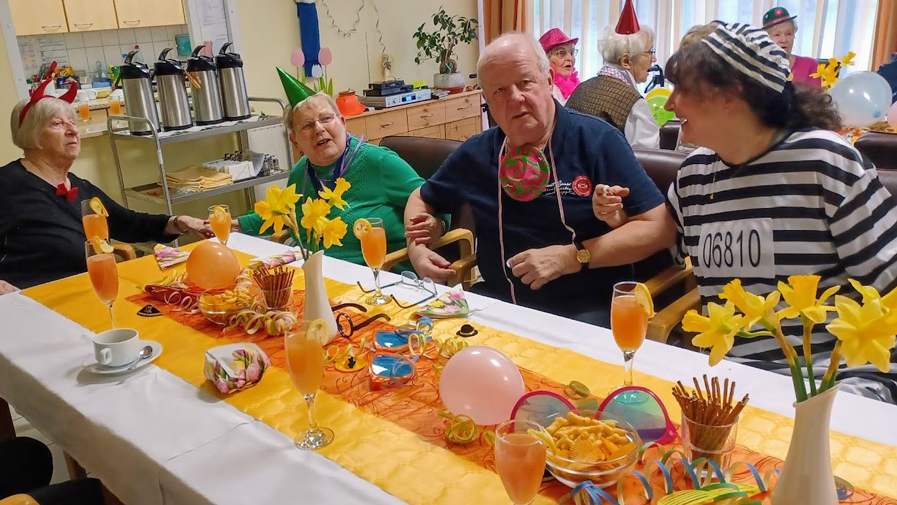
[(352, 410)]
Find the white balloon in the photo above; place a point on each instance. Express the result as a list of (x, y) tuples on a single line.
[(862, 98)]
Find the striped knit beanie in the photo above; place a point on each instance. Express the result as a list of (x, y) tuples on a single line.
[(750, 51)]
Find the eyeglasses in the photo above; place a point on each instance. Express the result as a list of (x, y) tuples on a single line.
[(409, 279), (563, 52), (346, 327), (324, 120), (651, 51)]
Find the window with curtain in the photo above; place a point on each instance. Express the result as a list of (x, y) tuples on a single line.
[(826, 28)]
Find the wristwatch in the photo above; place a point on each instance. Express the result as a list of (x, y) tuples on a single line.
[(583, 255), (177, 224)]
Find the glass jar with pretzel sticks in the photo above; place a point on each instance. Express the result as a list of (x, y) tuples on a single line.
[(276, 285), (709, 420)]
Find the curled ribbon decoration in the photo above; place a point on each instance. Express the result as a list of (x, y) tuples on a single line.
[(462, 430), (337, 354)]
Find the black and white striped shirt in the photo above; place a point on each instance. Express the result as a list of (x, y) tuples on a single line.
[(806, 206)]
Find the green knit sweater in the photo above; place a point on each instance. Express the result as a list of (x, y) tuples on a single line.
[(381, 183)]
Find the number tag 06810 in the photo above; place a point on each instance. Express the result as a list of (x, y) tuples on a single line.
[(740, 249)]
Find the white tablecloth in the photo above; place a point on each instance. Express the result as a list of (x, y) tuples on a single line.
[(154, 439)]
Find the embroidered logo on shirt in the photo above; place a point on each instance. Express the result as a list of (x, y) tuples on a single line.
[(582, 186)]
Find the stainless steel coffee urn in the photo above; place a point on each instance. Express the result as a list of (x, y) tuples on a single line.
[(206, 97), (136, 81), (174, 108), (233, 84)]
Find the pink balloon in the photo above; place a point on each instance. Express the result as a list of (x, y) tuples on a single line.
[(325, 57), (482, 383), (297, 58), (892, 115)]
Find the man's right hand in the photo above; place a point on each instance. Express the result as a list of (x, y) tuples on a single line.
[(428, 263), (6, 287)]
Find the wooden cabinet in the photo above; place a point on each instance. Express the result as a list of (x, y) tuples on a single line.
[(38, 17), (458, 117), (141, 13), (86, 15)]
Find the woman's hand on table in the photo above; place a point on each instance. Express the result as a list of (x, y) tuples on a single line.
[(6, 287), (179, 225), (430, 264)]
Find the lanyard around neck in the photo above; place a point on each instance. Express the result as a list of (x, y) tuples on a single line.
[(339, 168)]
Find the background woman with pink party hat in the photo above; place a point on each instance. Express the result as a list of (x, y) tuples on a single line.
[(628, 52), (561, 52)]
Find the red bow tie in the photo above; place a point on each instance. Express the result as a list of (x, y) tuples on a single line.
[(70, 194)]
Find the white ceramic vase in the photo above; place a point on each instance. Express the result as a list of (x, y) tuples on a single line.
[(807, 473), (317, 306), (448, 81)]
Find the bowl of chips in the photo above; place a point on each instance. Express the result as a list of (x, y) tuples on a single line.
[(582, 448), (220, 307)]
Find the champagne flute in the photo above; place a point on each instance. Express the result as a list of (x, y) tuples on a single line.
[(305, 362), (373, 248), (95, 224), (628, 323), (84, 110), (219, 221), (103, 273), (520, 459)]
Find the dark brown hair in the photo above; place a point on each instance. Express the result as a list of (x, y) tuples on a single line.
[(696, 70)]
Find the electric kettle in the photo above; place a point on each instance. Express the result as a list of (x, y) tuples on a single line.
[(233, 84), (206, 97), (174, 108)]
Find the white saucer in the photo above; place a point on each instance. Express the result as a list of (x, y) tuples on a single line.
[(90, 362)]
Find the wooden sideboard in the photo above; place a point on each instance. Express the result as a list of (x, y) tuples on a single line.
[(455, 117)]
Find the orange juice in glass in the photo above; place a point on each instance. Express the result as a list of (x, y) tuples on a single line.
[(373, 248), (219, 221), (103, 272), (630, 310), (305, 363), (114, 107), (84, 111), (93, 217), (519, 459)]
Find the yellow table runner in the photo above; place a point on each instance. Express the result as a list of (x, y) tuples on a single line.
[(363, 438)]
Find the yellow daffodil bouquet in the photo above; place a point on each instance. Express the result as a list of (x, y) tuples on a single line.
[(828, 72), (865, 331), (279, 211)]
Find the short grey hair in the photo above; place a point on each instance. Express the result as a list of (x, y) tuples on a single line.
[(511, 39), (27, 135), (613, 46), (305, 104)]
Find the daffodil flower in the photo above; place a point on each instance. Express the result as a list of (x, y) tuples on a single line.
[(820, 69), (754, 307), (717, 331), (889, 301), (335, 196), (800, 294), (848, 60), (264, 210), (314, 215), (867, 332), (333, 232)]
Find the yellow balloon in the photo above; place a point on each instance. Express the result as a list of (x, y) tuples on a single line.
[(658, 92), (212, 266)]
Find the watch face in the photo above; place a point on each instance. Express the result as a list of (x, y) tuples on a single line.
[(583, 255)]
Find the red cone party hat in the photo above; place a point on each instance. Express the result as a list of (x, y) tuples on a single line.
[(628, 23)]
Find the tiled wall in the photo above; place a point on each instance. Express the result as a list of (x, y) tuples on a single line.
[(84, 49)]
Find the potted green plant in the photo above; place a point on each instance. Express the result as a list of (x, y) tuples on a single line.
[(440, 45)]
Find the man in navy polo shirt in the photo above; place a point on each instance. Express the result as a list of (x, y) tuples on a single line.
[(539, 243)]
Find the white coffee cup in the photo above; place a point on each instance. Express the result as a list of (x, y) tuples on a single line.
[(116, 347), (87, 94)]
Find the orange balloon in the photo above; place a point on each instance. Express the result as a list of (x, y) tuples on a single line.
[(212, 266)]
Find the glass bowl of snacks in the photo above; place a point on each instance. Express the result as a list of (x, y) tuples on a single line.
[(220, 307), (582, 448)]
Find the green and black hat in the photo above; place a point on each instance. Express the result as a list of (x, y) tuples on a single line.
[(775, 16)]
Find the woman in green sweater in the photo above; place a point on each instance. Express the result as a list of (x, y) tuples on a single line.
[(381, 181)]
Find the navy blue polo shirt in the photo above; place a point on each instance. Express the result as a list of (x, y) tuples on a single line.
[(584, 147)]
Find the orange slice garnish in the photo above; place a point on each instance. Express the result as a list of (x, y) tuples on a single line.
[(100, 246), (361, 228), (97, 206), (219, 213), (643, 297)]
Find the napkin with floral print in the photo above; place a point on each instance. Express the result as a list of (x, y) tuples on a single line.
[(169, 256), (235, 367), (451, 304)]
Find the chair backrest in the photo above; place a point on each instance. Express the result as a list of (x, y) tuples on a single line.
[(425, 155), (669, 134), (888, 178), (880, 148), (661, 166)]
